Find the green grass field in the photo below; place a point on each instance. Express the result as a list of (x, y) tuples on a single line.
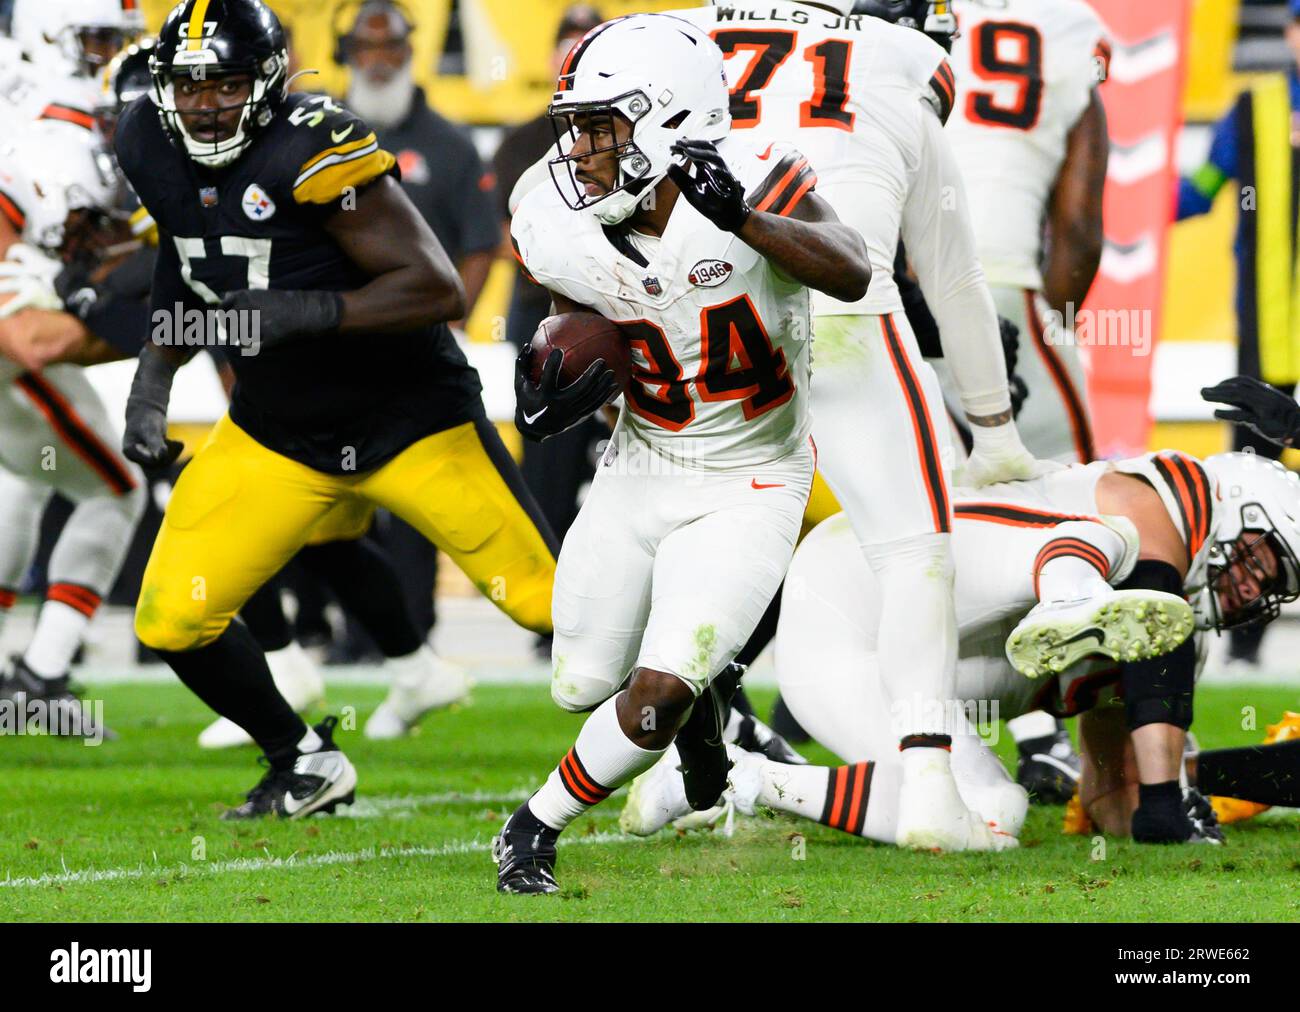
[(130, 831)]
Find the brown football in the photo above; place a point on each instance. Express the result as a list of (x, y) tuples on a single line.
[(583, 337)]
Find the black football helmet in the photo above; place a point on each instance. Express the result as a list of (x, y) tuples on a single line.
[(934, 17), (204, 39), (124, 80)]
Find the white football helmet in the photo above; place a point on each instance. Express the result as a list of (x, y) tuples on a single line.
[(57, 30), (1257, 502), (661, 74), (48, 174)]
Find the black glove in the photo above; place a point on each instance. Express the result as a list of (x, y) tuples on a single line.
[(1010, 335), (1263, 409), (145, 440), (545, 408), (709, 186), (283, 316)]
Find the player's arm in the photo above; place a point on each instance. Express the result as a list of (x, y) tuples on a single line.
[(1196, 192), (805, 241), (1074, 211), (37, 338), (940, 241), (413, 282)]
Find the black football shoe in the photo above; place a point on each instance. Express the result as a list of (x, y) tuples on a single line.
[(754, 736), (700, 741), (317, 781), (50, 706), (1048, 768), (524, 852)]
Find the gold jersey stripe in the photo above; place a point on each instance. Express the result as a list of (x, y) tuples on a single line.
[(143, 226), (330, 175), (337, 149)]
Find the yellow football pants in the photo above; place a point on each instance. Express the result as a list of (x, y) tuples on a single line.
[(241, 511)]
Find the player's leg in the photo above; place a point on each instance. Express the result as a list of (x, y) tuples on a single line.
[(1054, 421), (238, 513), (721, 545), (58, 433), (461, 490), (21, 503), (875, 407), (297, 678)]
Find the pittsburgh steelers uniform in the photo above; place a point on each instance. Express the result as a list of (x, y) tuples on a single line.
[(695, 508), (1026, 70), (323, 429)]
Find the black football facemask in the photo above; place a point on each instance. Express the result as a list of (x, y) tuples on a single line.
[(1266, 559), (934, 17)]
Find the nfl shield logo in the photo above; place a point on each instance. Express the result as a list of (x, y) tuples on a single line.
[(257, 205), (208, 196), (652, 286)]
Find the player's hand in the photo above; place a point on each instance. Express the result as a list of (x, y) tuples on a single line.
[(145, 440), (1263, 409), (708, 185), (284, 316), (1010, 335), (998, 456), (545, 408)]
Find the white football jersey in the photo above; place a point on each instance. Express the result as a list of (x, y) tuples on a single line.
[(1025, 73), (849, 92), (719, 338), (32, 92)]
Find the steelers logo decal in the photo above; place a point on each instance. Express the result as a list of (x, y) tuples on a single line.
[(257, 205)]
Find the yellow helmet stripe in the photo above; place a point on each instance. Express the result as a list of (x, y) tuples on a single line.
[(194, 30)]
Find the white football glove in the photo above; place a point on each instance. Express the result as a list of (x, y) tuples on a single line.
[(999, 455), (28, 274)]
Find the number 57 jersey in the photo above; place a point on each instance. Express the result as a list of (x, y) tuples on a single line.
[(719, 338)]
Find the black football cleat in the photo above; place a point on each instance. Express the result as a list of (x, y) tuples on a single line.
[(699, 741), (524, 852), (317, 781), (755, 736), (1048, 768), (50, 706)]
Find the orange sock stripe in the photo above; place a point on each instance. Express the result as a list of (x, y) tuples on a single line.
[(836, 783), (858, 799), (580, 785), (1072, 548), (75, 596)]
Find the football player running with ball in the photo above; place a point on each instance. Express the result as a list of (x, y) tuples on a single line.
[(704, 248), (282, 213)]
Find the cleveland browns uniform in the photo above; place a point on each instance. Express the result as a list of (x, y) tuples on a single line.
[(1026, 70), (695, 507), (319, 431)]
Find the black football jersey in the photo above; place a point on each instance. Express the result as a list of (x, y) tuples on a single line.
[(337, 403)]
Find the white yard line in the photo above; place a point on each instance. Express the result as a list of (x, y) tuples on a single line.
[(205, 868)]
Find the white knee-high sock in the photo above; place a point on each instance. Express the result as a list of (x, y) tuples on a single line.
[(601, 760), (1076, 562), (917, 646), (59, 629), (861, 799)]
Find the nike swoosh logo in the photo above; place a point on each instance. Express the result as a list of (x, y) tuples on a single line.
[(292, 804), (529, 419), (776, 484), (338, 135), (768, 153)]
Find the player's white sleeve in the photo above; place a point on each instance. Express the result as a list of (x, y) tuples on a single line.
[(940, 241)]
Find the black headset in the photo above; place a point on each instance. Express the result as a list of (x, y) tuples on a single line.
[(342, 34)]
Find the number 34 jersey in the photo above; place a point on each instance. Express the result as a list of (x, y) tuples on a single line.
[(1025, 74), (719, 337), (337, 403)]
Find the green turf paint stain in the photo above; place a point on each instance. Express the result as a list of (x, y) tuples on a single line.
[(701, 665)]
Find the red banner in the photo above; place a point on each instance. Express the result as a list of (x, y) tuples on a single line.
[(1143, 95)]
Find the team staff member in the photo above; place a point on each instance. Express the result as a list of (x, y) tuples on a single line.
[(287, 207)]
